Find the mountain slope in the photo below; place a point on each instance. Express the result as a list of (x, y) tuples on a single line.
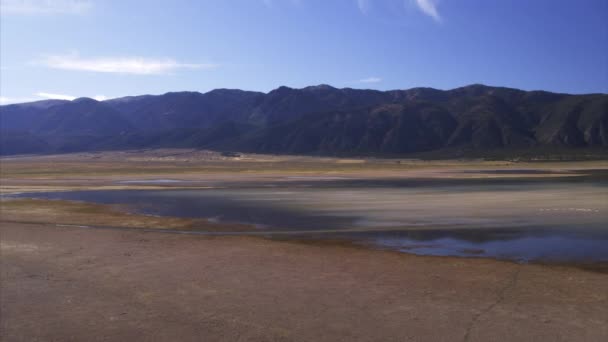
[(314, 120), (186, 109), (393, 128)]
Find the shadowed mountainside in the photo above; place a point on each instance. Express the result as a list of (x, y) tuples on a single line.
[(314, 120)]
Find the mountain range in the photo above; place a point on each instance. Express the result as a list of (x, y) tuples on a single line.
[(316, 120)]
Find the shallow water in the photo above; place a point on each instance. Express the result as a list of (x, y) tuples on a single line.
[(151, 181), (522, 219)]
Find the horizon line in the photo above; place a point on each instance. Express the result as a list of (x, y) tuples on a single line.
[(302, 88)]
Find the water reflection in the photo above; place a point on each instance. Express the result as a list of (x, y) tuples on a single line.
[(516, 218)]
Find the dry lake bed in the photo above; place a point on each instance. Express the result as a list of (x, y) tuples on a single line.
[(186, 243)]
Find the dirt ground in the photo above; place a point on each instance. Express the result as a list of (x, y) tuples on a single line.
[(70, 283)]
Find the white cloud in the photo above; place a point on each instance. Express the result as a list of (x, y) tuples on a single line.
[(8, 100), (45, 96), (68, 97), (55, 96), (370, 80), (121, 65), (45, 6), (429, 7)]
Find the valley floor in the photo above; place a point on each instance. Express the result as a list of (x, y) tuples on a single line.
[(73, 284), (61, 282)]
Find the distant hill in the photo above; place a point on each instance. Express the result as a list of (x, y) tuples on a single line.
[(320, 120)]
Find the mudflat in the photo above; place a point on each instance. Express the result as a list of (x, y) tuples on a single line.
[(67, 283), (63, 280)]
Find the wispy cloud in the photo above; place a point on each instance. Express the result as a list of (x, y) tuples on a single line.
[(68, 97), (45, 6), (429, 7), (363, 5), (120, 65), (8, 100), (370, 80), (44, 96), (51, 96)]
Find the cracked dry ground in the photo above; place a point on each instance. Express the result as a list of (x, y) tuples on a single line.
[(71, 284)]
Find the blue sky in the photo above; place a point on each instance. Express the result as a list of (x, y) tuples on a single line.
[(106, 49)]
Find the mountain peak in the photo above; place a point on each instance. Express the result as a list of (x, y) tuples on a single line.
[(84, 100), (320, 87), (281, 90)]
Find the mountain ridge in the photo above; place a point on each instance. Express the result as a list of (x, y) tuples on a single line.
[(317, 119)]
